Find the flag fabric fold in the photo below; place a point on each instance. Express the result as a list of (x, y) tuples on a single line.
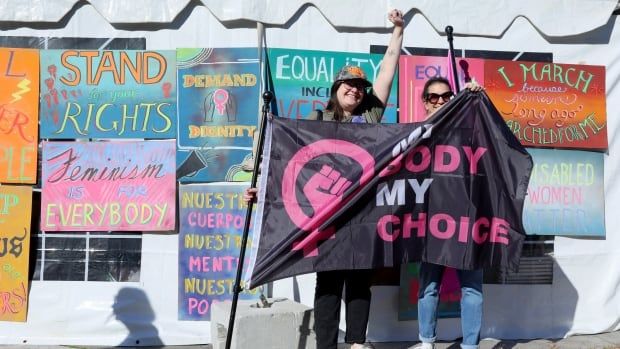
[(337, 196)]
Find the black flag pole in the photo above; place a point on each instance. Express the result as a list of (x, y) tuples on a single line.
[(267, 97), (449, 31)]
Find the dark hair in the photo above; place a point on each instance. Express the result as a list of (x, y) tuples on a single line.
[(334, 106), (431, 81)]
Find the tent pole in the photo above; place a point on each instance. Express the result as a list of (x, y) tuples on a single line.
[(267, 96)]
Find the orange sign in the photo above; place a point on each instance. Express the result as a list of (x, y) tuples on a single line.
[(19, 109), (15, 208), (549, 104)]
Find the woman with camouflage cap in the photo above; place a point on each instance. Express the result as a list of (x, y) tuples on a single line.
[(352, 99)]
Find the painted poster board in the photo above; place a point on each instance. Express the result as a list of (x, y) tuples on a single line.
[(19, 115), (104, 186), (212, 218), (413, 73), (219, 90), (302, 79), (108, 94), (550, 105), (566, 194), (15, 209)]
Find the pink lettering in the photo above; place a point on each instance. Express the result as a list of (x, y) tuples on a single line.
[(473, 158), (382, 228), (499, 231), (436, 230), (440, 156), (200, 306), (425, 159), (418, 224), (443, 226), (479, 236)]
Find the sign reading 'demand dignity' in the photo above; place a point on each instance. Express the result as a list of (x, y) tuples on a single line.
[(105, 186), (19, 96), (108, 94), (219, 89), (15, 209)]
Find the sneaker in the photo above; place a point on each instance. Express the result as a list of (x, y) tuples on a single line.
[(423, 346), (362, 346)]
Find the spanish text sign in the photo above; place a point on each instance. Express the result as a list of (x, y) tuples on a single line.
[(15, 208), (19, 102), (549, 104), (108, 94), (212, 218), (103, 186)]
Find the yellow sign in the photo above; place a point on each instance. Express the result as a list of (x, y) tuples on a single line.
[(15, 209)]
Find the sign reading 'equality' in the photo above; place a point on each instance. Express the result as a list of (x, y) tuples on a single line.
[(105, 186), (302, 79)]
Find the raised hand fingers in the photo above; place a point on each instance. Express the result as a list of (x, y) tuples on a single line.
[(396, 17)]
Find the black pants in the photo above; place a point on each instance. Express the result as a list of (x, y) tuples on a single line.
[(327, 298)]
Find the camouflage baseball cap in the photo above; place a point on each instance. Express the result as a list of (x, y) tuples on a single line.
[(351, 72)]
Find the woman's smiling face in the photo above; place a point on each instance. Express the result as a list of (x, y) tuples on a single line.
[(350, 94)]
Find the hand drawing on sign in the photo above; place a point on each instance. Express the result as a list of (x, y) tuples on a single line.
[(196, 161), (52, 97)]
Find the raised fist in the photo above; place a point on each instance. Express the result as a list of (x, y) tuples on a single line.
[(324, 187)]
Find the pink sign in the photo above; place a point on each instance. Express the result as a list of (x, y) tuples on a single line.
[(414, 71), (104, 186)]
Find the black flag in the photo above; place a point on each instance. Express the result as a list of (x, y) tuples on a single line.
[(449, 191)]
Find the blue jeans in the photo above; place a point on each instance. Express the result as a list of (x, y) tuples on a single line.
[(471, 303)]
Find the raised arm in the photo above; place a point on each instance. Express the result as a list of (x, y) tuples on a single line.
[(383, 82)]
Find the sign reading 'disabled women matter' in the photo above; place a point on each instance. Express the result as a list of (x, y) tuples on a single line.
[(108, 94), (565, 195), (302, 79), (219, 90), (102, 186), (15, 209), (211, 221), (19, 123), (550, 105)]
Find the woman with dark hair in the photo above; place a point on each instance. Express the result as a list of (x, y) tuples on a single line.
[(437, 92), (353, 98)]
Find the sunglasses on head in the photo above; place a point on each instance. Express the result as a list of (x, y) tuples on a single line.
[(434, 97)]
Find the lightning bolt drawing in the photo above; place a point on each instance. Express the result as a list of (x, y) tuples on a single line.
[(23, 88)]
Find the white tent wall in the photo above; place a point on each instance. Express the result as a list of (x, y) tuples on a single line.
[(582, 299)]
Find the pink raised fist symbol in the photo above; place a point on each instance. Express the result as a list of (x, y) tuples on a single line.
[(325, 187)]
